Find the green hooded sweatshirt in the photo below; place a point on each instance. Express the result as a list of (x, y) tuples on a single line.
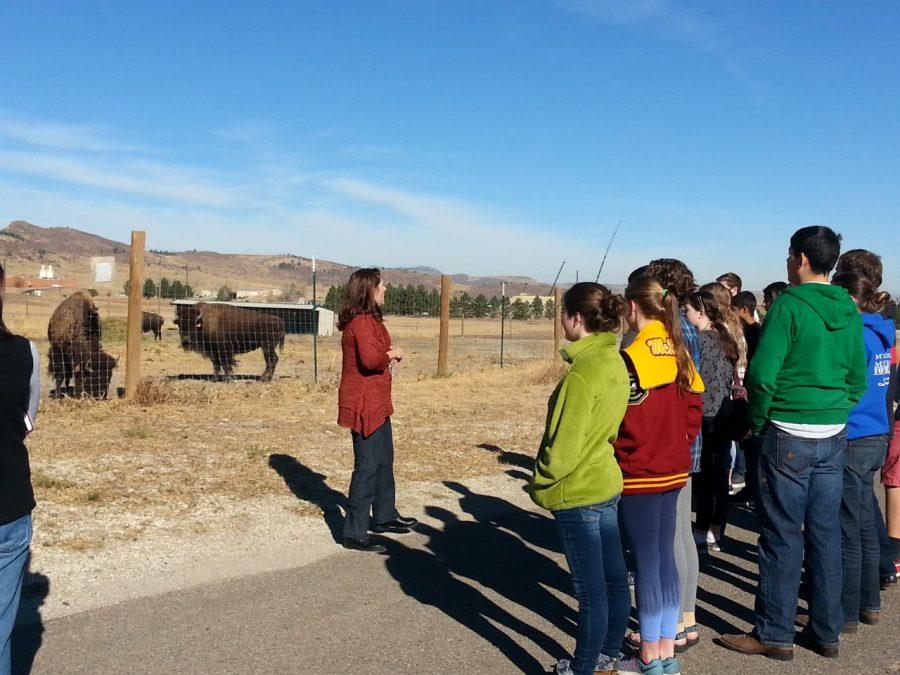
[(810, 363), (575, 465)]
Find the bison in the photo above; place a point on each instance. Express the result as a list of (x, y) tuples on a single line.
[(152, 322), (93, 378), (74, 332), (220, 331)]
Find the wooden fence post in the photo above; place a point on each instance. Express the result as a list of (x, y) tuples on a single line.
[(135, 299), (557, 321), (444, 339)]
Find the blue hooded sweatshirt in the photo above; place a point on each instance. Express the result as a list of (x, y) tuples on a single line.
[(869, 417)]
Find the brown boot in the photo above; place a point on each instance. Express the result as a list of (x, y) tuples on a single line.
[(748, 644), (869, 616)]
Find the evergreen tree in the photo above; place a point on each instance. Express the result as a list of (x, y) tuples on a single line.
[(494, 306), (149, 288), (480, 306), (164, 290), (537, 307), (550, 309), (520, 310)]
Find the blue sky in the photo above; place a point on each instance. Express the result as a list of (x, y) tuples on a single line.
[(485, 137)]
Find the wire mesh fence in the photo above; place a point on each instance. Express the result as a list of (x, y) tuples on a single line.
[(219, 337)]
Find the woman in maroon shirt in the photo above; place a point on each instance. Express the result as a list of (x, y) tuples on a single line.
[(364, 407)]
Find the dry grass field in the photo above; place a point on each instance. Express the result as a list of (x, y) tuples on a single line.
[(189, 449)]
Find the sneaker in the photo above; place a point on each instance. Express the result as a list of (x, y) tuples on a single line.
[(562, 667), (634, 666), (671, 666), (737, 484), (629, 576), (711, 542), (606, 665)]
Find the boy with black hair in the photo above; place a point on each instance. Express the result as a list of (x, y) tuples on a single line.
[(809, 370), (744, 305), (771, 292)]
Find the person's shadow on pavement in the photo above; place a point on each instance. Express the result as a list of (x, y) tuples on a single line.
[(310, 486), (28, 633)]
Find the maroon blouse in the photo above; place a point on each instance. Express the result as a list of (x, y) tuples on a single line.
[(364, 397)]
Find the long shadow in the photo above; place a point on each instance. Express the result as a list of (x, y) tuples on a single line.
[(28, 634), (311, 487), (509, 457), (208, 377)]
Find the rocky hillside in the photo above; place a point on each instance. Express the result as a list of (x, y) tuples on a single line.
[(25, 247)]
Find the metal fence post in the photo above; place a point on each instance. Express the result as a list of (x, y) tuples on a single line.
[(557, 321), (315, 318)]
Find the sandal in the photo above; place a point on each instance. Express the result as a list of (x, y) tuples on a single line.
[(688, 642)]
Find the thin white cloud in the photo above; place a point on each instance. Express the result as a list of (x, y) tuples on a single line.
[(61, 136), (669, 19)]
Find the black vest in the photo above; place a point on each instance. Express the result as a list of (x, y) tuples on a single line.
[(16, 495)]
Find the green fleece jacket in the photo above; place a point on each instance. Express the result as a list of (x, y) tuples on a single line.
[(575, 465), (810, 363)]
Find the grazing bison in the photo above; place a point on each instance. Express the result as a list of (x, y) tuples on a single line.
[(93, 378), (152, 322), (74, 334), (221, 331)]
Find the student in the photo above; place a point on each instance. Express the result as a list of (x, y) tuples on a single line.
[(719, 355), (577, 478), (678, 279), (729, 318), (732, 282), (364, 407), (19, 397), (867, 442), (771, 292), (653, 450), (808, 372), (744, 305), (868, 265)]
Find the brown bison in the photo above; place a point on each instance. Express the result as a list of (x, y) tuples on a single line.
[(74, 333), (93, 378), (152, 322), (220, 331)]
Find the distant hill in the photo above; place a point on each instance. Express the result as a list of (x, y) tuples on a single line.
[(25, 247)]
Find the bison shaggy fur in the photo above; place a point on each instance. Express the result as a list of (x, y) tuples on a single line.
[(74, 333)]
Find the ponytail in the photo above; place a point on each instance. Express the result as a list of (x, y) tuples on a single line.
[(661, 304), (706, 302), (868, 298)]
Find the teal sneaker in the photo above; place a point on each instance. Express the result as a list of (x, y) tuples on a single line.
[(634, 666), (671, 666)]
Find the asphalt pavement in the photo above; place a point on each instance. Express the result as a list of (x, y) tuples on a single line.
[(482, 590)]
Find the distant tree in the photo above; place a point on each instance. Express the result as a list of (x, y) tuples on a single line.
[(550, 309), (224, 293), (333, 297), (177, 290), (537, 307), (520, 311), (494, 306), (93, 291), (164, 288), (149, 288), (480, 306), (188, 291)]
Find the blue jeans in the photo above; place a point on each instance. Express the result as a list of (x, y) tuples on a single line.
[(14, 540), (800, 485), (590, 539), (861, 548), (372, 483)]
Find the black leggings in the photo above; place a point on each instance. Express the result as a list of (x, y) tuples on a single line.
[(711, 484)]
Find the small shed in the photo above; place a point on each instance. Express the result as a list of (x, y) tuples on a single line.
[(299, 318)]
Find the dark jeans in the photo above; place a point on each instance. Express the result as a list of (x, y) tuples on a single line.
[(590, 539), (649, 521), (372, 484), (800, 485), (711, 484), (859, 537), (886, 565), (751, 448)]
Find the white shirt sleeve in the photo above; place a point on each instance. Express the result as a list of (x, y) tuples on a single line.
[(34, 394)]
